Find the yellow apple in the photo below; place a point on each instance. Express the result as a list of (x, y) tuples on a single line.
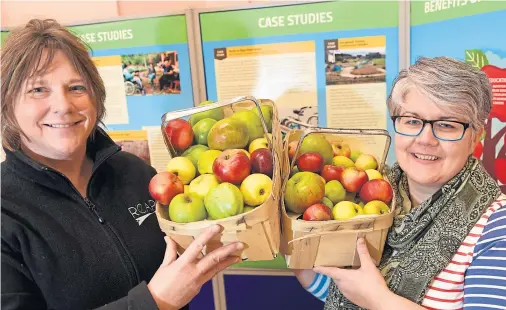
[(183, 168), (206, 160), (260, 143), (256, 188), (345, 210), (376, 207), (366, 162), (342, 161), (186, 189), (202, 184), (373, 174)]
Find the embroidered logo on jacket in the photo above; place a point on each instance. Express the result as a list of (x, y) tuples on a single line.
[(141, 211)]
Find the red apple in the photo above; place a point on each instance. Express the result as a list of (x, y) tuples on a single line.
[(261, 161), (292, 146), (317, 212), (232, 166), (353, 179), (311, 161), (377, 189), (180, 134), (331, 172), (164, 186)]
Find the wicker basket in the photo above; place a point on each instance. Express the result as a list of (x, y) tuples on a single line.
[(258, 229), (306, 244)]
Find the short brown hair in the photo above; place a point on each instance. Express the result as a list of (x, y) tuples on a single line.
[(21, 60)]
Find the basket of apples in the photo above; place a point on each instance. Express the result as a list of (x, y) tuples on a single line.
[(224, 169), (333, 193)]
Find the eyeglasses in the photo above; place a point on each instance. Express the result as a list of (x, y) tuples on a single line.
[(442, 130)]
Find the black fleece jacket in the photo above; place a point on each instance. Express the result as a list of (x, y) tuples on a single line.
[(63, 251)]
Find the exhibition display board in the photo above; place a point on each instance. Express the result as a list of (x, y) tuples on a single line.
[(471, 31), (329, 64), (145, 66)]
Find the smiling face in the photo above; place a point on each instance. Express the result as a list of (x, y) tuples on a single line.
[(55, 111), (425, 159)]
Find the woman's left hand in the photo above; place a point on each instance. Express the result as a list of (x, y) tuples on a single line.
[(365, 286)]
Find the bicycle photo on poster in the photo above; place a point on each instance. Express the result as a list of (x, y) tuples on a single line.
[(151, 74)]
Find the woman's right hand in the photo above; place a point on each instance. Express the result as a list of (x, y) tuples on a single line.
[(177, 281)]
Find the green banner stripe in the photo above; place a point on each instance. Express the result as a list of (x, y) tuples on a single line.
[(423, 12), (131, 33), (135, 32), (298, 19)]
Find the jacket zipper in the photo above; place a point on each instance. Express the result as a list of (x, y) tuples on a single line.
[(93, 208)]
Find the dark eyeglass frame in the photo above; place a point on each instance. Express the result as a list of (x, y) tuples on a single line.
[(431, 122)]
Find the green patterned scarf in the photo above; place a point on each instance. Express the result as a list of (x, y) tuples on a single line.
[(422, 240)]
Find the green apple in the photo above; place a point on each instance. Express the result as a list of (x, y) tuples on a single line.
[(317, 143), (260, 143), (345, 210), (216, 114), (256, 188), (186, 208), (202, 184), (366, 162), (201, 130), (194, 152), (376, 207), (206, 161), (267, 112), (303, 190), (327, 202), (186, 189), (342, 161), (183, 168), (335, 191), (373, 174), (355, 154), (229, 133), (252, 121), (224, 200)]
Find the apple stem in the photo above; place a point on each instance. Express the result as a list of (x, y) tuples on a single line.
[(187, 199), (262, 191)]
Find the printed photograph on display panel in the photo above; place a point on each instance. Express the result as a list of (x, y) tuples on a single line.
[(353, 65), (151, 74)]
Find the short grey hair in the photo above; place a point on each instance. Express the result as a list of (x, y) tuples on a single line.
[(451, 84)]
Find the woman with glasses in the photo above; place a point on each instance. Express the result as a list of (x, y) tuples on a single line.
[(447, 246)]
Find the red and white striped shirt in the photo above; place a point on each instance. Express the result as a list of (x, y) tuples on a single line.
[(447, 289)]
